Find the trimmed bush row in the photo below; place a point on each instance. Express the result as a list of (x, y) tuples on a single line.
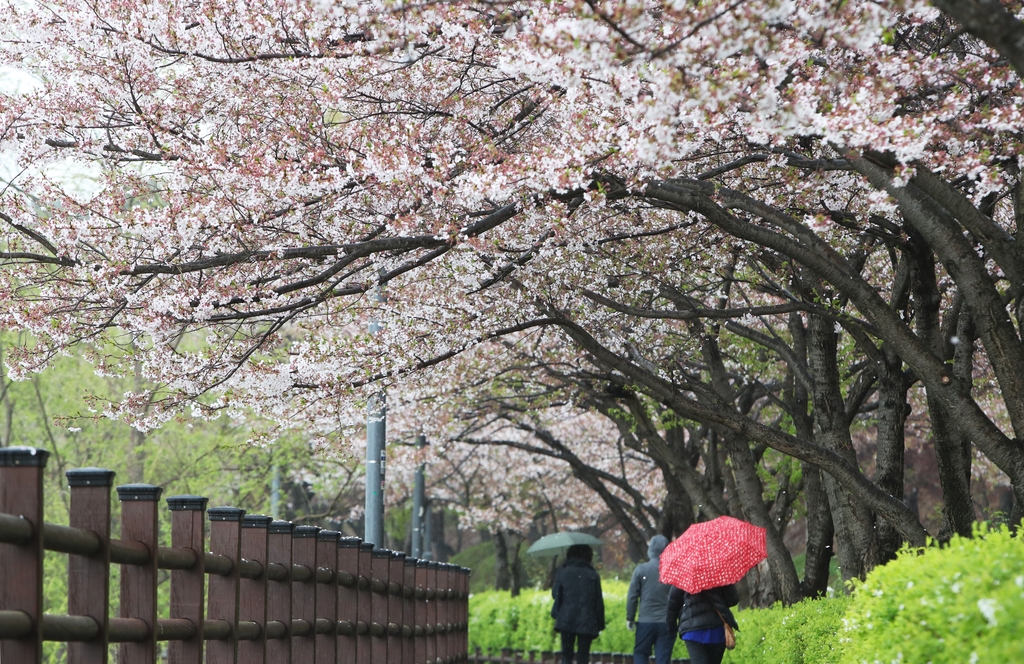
[(498, 621), (960, 603)]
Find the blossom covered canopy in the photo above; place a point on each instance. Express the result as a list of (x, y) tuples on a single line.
[(262, 169)]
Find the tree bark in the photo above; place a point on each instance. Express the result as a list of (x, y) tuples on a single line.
[(852, 519), (991, 22), (957, 508), (800, 244), (502, 571), (838, 467), (890, 451)]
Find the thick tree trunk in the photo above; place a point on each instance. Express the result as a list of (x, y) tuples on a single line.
[(515, 567), (502, 569), (747, 488), (893, 410), (820, 534), (853, 521), (820, 531), (947, 438), (677, 511), (838, 467), (785, 582), (792, 239)]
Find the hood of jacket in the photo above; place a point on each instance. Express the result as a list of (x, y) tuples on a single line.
[(656, 546)]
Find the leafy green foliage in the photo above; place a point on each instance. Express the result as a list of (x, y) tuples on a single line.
[(804, 633), (481, 559), (204, 457), (963, 602), (498, 621)]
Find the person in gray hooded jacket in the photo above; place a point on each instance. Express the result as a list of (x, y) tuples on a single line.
[(647, 591)]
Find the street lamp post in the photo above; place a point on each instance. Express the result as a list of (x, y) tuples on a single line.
[(376, 432), (419, 503)]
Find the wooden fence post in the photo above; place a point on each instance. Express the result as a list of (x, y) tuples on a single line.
[(89, 577), (327, 597), (409, 602), (21, 575), (348, 598), (222, 604), (364, 610), (252, 593), (444, 611), (379, 606), (304, 595), (458, 584), (139, 504), (188, 531), (432, 613), (279, 594), (420, 615), (396, 574)]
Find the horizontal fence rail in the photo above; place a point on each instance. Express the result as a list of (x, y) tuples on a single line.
[(257, 591)]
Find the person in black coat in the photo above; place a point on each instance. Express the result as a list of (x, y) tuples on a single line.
[(579, 605), (698, 619)]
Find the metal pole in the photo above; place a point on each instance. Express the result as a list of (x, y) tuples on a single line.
[(418, 501), (376, 431), (275, 492), (428, 530)]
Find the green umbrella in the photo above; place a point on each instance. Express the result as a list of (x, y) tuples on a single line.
[(556, 544)]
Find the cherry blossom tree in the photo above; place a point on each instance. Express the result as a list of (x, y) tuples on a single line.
[(837, 184)]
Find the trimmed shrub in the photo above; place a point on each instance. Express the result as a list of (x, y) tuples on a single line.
[(497, 620), (963, 602), (805, 633)]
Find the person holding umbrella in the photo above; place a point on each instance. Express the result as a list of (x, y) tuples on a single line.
[(579, 604), (702, 565), (700, 620)]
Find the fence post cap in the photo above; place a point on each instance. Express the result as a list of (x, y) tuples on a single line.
[(328, 536), (422, 563), (225, 513), (187, 502), (139, 492), (397, 555), (350, 542), (89, 477), (256, 521), (410, 561), (23, 456), (433, 564), (278, 527), (366, 546), (381, 553), (305, 531)]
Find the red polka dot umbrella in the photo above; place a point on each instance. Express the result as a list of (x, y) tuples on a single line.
[(713, 553)]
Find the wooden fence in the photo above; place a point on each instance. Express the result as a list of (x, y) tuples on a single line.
[(277, 593)]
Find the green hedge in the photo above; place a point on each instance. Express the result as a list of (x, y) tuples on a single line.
[(498, 621), (804, 633), (963, 603)]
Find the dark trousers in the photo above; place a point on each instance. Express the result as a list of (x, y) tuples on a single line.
[(569, 642), (705, 653), (655, 635)]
